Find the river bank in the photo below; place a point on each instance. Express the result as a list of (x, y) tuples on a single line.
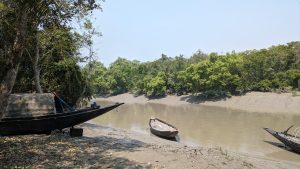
[(253, 101), (105, 147), (112, 147)]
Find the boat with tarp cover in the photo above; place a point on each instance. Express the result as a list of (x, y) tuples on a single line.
[(44, 124)]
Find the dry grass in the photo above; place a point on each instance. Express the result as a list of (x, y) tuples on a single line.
[(61, 151)]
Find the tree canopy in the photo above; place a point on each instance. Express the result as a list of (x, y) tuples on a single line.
[(211, 75), (37, 41)]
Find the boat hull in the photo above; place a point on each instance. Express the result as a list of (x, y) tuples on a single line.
[(48, 123), (163, 133), (283, 138)]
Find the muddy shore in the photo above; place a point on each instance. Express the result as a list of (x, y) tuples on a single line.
[(253, 101), (105, 147)]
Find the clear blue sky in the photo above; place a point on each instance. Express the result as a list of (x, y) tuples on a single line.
[(143, 30)]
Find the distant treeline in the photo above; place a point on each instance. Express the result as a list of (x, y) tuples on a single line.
[(211, 75)]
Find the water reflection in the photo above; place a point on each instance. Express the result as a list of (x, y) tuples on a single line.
[(209, 126)]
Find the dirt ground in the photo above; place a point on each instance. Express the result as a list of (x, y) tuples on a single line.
[(105, 147)]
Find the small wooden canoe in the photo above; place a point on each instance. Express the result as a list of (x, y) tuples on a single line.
[(289, 140), (162, 129)]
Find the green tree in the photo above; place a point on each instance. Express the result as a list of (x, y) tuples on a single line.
[(97, 82), (120, 75), (20, 23), (157, 85), (65, 78), (293, 76)]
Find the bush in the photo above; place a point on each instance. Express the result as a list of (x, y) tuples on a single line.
[(157, 85), (264, 86)]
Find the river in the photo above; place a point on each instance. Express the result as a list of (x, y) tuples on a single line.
[(232, 130)]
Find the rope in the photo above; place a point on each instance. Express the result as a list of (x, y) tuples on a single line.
[(62, 101), (296, 132)]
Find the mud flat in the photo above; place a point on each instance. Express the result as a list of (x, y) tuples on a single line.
[(253, 101)]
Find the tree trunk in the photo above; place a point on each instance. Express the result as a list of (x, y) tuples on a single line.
[(36, 68), (6, 87), (38, 87), (15, 56)]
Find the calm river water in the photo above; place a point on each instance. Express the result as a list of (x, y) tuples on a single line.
[(209, 126)]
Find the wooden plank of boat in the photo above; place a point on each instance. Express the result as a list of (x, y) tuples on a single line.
[(162, 129), (48, 123), (289, 140)]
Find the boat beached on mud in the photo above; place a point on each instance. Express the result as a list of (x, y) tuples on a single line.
[(162, 129)]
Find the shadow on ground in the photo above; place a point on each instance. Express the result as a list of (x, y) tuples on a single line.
[(62, 151), (196, 99), (201, 97), (281, 146)]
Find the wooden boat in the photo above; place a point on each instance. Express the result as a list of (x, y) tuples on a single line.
[(162, 129), (48, 123), (288, 140)]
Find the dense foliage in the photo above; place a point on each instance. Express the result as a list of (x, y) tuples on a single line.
[(39, 48), (210, 75)]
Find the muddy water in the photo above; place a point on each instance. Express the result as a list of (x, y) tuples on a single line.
[(209, 126)]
